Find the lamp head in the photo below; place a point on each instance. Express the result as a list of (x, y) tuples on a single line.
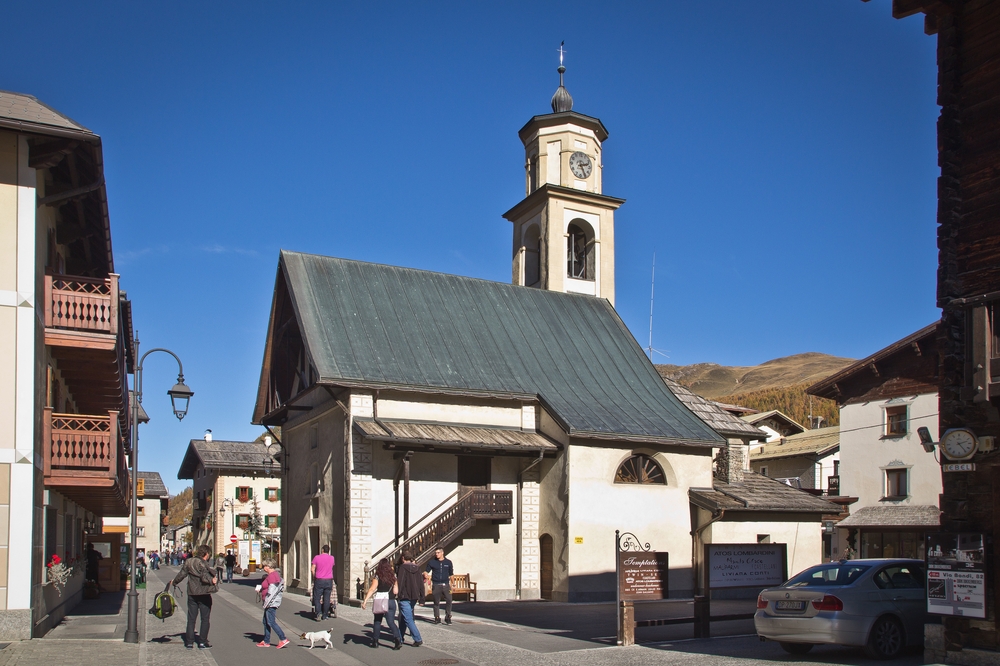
[(925, 439), (180, 396)]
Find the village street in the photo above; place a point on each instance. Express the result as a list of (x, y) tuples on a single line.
[(483, 633)]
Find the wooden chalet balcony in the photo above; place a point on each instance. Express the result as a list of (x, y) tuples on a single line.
[(84, 459), (81, 312)]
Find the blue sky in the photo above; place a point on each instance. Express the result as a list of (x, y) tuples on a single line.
[(779, 157)]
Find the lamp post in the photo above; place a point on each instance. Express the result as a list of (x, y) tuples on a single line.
[(180, 396), (231, 504)]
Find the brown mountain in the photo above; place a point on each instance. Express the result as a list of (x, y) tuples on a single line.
[(714, 381), (179, 508), (779, 384)]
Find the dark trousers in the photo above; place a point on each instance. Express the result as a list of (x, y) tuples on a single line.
[(198, 603), (442, 589), (390, 619), (322, 589)]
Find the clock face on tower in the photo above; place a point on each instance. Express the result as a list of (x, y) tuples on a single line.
[(580, 164)]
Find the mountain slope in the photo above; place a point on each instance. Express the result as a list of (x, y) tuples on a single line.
[(714, 381)]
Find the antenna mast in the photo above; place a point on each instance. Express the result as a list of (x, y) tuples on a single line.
[(652, 285)]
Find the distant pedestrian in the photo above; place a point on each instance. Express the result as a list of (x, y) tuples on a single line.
[(439, 571), (384, 588), (411, 590), (324, 588), (202, 584), (230, 563), (154, 560), (93, 564), (271, 590)]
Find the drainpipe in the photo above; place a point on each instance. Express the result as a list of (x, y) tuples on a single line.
[(520, 485), (697, 563)]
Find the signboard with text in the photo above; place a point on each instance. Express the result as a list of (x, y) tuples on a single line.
[(746, 565), (956, 575), (642, 575)]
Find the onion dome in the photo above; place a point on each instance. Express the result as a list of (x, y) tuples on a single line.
[(561, 101)]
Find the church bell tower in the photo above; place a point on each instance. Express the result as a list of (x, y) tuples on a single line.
[(564, 228)]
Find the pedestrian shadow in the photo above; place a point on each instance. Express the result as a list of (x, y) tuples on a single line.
[(254, 636), (357, 639), (306, 615), (167, 638)]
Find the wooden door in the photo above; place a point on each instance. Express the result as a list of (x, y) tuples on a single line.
[(109, 568), (545, 565)]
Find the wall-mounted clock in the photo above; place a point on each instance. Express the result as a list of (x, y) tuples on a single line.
[(580, 164), (959, 444)]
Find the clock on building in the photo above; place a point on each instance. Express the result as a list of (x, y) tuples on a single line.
[(580, 164), (959, 444)]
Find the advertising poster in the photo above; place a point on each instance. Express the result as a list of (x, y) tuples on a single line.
[(956, 575), (745, 565), (244, 553), (643, 576), (255, 551)]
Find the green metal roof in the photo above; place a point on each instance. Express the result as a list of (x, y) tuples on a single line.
[(383, 326)]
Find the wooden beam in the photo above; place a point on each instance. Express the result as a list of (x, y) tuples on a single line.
[(874, 369), (47, 155)]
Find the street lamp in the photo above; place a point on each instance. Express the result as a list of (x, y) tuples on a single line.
[(180, 396)]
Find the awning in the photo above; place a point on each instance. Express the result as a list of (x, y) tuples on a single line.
[(455, 438), (894, 515)]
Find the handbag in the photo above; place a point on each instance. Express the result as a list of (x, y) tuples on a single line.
[(380, 605)]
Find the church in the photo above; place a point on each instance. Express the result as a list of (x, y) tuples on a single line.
[(516, 425)]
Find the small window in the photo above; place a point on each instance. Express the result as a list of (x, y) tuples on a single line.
[(142, 511), (640, 469), (243, 521), (579, 253), (763, 538), (763, 471), (244, 494), (896, 421), (271, 522), (272, 494), (141, 531), (896, 485)]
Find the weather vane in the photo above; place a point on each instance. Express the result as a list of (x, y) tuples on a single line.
[(562, 51)]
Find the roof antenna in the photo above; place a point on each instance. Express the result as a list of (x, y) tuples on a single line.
[(652, 285)]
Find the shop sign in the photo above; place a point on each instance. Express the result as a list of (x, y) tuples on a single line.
[(956, 575), (746, 565), (643, 575)]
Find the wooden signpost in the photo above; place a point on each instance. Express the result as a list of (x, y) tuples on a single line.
[(642, 575)]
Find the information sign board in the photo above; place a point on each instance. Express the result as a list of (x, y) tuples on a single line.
[(956, 575), (746, 565), (643, 575)]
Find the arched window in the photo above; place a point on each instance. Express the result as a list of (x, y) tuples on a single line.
[(579, 251), (640, 469)]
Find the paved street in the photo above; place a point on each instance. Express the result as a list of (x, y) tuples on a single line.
[(529, 634)]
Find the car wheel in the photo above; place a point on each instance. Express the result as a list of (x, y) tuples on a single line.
[(796, 648), (886, 639)]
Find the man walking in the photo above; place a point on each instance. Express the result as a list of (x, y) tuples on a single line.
[(230, 564), (202, 584), (411, 590), (439, 571), (323, 586)]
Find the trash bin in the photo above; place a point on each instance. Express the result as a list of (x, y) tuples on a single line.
[(252, 566)]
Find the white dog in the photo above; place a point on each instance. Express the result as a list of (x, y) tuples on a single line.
[(313, 636)]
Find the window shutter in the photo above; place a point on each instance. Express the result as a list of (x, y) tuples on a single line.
[(279, 494), (237, 493), (279, 521), (250, 493)]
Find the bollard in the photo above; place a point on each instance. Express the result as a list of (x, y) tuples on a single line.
[(702, 617), (626, 632)]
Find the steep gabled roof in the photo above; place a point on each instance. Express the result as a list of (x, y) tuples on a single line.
[(153, 483), (375, 326), (717, 418), (233, 458), (760, 417), (26, 114)]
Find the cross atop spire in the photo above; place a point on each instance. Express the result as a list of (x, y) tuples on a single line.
[(562, 51), (561, 101)]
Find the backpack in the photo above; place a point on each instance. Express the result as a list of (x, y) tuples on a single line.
[(163, 605)]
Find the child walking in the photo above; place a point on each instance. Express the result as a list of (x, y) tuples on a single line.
[(271, 590)]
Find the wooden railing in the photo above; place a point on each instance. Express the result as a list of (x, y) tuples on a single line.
[(77, 443), (82, 304), (451, 523)]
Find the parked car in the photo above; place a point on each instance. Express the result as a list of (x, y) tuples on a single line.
[(878, 604)]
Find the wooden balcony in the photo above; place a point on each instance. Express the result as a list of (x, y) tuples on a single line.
[(84, 459), (81, 312), (86, 337)]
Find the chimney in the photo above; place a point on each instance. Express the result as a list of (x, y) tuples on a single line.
[(729, 464), (267, 441), (208, 435)]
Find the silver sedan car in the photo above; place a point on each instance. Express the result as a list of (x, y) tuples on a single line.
[(878, 604)]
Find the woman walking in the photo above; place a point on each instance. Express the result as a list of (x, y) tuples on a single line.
[(384, 588), (271, 590)]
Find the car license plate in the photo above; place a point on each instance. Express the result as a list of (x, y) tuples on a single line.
[(789, 605)]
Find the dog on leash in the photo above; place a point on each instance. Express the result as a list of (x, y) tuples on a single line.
[(313, 636)]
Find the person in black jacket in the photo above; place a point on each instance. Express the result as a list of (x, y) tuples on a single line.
[(202, 584), (439, 571), (411, 590)]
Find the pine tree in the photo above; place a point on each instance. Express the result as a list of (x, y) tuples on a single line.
[(256, 523)]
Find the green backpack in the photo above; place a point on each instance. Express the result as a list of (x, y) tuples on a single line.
[(163, 605)]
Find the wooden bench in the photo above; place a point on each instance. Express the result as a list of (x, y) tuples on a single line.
[(460, 584)]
